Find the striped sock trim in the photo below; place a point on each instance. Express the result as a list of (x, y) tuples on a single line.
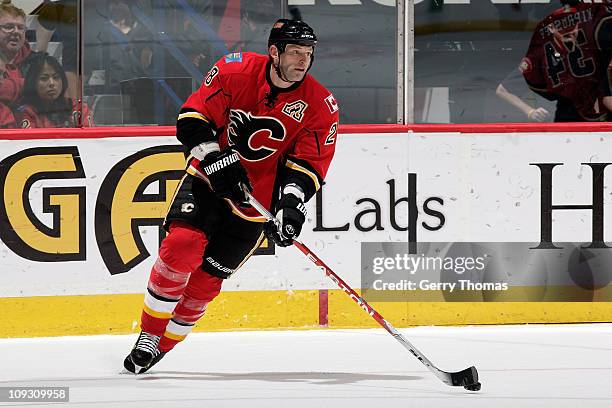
[(162, 307), (160, 297), (173, 336), (155, 314), (178, 330)]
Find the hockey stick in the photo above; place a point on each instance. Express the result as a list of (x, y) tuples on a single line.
[(467, 378)]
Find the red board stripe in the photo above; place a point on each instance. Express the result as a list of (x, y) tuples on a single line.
[(323, 307), (140, 131), (481, 128)]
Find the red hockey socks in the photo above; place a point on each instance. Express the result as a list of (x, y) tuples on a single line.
[(201, 290), (179, 255)]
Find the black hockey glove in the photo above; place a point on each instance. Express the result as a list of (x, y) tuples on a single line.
[(226, 174), (291, 213)]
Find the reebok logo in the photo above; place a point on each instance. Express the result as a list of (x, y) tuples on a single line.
[(224, 162)]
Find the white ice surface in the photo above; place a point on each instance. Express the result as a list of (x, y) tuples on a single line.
[(520, 367)]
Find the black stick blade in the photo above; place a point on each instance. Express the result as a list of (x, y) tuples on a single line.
[(467, 378)]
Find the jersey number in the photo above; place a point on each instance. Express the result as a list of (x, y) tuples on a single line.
[(211, 75), (578, 65), (331, 138)]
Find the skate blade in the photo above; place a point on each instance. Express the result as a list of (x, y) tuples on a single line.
[(139, 369)]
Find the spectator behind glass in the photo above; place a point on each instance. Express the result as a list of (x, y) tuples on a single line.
[(566, 63), (255, 27), (124, 48), (201, 53), (59, 18), (515, 18), (607, 100), (15, 56), (510, 90), (45, 104), (136, 56)]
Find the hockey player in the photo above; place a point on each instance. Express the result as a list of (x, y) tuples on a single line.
[(566, 61), (259, 122)]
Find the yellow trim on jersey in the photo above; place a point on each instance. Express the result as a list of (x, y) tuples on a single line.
[(194, 115), (259, 241), (174, 336), (178, 188), (153, 313), (192, 170), (258, 218), (180, 185), (236, 211), (304, 170)]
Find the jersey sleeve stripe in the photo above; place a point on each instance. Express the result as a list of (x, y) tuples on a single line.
[(194, 115), (311, 174), (195, 172)]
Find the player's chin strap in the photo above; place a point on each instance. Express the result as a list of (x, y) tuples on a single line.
[(280, 73), (467, 378)]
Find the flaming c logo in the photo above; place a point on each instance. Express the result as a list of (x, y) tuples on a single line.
[(255, 137)]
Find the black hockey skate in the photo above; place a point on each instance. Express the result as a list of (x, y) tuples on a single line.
[(144, 355)]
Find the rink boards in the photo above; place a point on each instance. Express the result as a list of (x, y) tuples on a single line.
[(81, 211)]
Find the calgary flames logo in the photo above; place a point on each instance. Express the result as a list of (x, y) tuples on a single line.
[(255, 137)]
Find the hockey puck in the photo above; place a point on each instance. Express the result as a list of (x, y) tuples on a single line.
[(473, 387)]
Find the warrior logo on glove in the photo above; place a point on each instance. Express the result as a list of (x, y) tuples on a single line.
[(291, 215), (222, 163), (226, 175), (255, 137)]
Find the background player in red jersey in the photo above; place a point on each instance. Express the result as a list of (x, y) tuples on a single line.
[(259, 122), (565, 61), (604, 43)]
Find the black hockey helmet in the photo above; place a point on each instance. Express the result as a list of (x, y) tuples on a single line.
[(571, 3), (286, 31)]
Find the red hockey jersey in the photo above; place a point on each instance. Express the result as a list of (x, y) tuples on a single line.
[(28, 117), (274, 130), (11, 85), (12, 76), (563, 59)]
